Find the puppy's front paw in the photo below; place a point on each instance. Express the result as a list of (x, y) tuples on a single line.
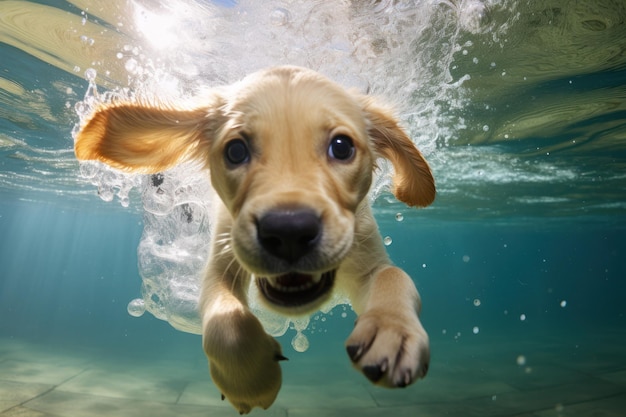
[(244, 362), (390, 349)]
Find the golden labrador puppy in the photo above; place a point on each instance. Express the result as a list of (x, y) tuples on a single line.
[(290, 156)]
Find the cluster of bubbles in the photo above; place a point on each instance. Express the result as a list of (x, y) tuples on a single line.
[(400, 50)]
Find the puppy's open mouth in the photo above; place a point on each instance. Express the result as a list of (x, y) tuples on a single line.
[(296, 289)]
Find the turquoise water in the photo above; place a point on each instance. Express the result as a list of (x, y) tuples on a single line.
[(520, 108), (70, 271)]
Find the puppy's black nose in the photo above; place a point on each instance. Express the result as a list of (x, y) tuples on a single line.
[(289, 234)]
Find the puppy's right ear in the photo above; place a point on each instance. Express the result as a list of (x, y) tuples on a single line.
[(144, 138)]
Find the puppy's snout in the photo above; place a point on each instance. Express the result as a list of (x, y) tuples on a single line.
[(289, 234)]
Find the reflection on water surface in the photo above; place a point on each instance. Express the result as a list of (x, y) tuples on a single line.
[(520, 106)]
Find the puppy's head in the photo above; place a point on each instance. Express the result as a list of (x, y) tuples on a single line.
[(291, 156)]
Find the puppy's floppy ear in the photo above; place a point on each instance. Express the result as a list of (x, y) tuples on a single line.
[(413, 182), (143, 138)]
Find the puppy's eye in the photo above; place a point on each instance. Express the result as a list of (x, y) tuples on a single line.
[(236, 152), (341, 148)]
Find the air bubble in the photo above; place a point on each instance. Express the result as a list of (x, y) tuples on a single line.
[(521, 360), (466, 258), (90, 74), (131, 65), (476, 302), (475, 330), (399, 217), (300, 343), (87, 40), (105, 193), (80, 108), (563, 303), (522, 317), (387, 240), (136, 307), (280, 16), (88, 169)]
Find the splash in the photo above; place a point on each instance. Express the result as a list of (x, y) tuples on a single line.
[(401, 50)]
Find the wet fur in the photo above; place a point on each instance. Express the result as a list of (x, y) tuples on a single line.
[(287, 116)]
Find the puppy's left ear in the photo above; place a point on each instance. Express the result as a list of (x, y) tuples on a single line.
[(145, 138), (413, 182)]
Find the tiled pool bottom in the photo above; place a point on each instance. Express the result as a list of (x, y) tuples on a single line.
[(481, 376)]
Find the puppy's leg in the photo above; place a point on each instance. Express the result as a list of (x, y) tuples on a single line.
[(389, 344), (243, 358)]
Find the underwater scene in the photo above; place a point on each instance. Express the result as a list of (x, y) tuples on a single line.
[(518, 106)]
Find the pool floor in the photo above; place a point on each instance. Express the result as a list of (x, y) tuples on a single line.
[(537, 376)]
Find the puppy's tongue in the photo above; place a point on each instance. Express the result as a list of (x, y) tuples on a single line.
[(296, 289), (294, 279)]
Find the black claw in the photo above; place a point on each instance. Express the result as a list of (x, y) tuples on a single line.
[(223, 397), (279, 357), (355, 352), (373, 373)]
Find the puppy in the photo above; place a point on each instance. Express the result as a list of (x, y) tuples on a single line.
[(290, 155)]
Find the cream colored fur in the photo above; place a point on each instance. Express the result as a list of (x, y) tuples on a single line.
[(286, 117)]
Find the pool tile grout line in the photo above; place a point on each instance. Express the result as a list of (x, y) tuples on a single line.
[(46, 392)]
